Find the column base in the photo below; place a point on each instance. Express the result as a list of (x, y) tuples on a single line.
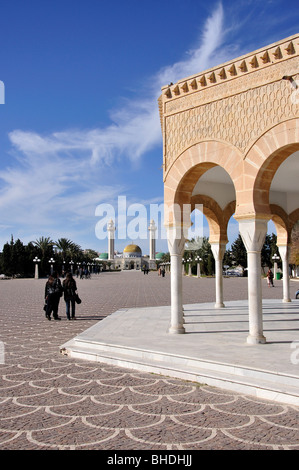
[(286, 300), (256, 339), (176, 330), (221, 305)]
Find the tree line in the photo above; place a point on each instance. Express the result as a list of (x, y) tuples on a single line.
[(16, 258)]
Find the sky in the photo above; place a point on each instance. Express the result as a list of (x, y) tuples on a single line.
[(79, 126)]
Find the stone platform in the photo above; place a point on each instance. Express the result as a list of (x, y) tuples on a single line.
[(213, 350)]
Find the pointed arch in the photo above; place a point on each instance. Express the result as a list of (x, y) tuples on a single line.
[(260, 165), (194, 162)]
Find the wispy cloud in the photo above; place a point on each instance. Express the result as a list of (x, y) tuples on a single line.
[(55, 177)]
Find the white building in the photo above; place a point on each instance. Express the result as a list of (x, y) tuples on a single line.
[(132, 257)]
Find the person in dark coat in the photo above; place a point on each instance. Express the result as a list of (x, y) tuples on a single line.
[(69, 289), (52, 297)]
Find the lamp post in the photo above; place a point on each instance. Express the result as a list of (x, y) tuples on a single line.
[(198, 259), (183, 267), (189, 269), (63, 268), (51, 261), (275, 259), (36, 261)]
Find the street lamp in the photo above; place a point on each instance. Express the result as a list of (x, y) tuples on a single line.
[(198, 259), (36, 261), (189, 270), (275, 259), (51, 261), (183, 267)]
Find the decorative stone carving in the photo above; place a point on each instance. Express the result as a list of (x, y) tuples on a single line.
[(251, 98)]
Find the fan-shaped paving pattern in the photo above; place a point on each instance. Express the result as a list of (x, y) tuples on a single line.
[(49, 401)]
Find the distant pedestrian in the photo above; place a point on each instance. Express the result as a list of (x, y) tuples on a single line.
[(270, 278), (52, 297), (297, 294), (69, 288)]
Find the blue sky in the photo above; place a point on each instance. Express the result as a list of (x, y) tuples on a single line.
[(80, 124)]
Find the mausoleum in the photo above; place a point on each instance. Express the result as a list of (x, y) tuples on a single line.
[(131, 257)]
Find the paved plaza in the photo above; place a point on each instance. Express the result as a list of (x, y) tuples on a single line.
[(51, 401)]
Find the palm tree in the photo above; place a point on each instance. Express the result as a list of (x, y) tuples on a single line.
[(44, 244), (65, 246), (75, 251)]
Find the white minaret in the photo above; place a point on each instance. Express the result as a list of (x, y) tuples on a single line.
[(152, 230), (111, 236)]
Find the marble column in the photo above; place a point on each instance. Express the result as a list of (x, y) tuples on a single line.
[(284, 253), (176, 244), (218, 250), (253, 233)]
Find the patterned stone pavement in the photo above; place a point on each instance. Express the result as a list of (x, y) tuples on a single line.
[(49, 401)]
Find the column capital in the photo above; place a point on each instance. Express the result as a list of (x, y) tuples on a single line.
[(176, 239), (218, 250), (253, 232)]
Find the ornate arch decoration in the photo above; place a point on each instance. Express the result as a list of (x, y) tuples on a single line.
[(194, 162), (261, 163)]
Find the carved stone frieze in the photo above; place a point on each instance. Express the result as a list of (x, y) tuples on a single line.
[(235, 102)]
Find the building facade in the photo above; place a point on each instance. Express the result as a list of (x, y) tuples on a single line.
[(131, 257), (231, 144)]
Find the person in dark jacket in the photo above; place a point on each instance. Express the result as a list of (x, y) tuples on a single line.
[(52, 296), (69, 289)]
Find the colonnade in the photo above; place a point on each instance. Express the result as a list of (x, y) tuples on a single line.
[(253, 233)]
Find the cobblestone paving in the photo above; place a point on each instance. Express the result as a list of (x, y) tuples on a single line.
[(49, 401)]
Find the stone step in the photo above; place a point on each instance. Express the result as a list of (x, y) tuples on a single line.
[(260, 383)]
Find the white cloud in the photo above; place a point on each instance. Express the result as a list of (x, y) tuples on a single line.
[(135, 127)]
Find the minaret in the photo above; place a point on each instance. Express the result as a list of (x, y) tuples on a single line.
[(111, 231), (152, 230)]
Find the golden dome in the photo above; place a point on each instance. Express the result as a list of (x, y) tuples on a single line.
[(132, 249)]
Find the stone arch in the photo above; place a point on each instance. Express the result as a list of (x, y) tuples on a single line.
[(193, 163), (217, 218), (213, 214), (229, 210), (293, 218), (281, 222), (260, 165)]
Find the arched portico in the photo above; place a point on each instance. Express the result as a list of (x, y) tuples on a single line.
[(207, 125)]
